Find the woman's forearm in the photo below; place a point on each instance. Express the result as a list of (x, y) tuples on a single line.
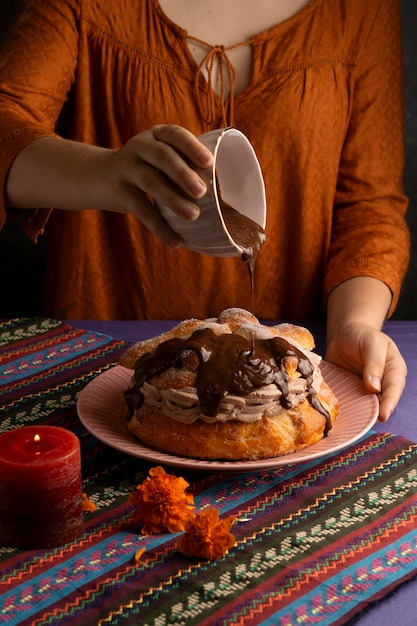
[(53, 172), (65, 174), (361, 299)]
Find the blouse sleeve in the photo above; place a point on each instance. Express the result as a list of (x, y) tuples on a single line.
[(37, 69), (369, 235)]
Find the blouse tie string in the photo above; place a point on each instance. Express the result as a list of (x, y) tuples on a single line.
[(217, 55)]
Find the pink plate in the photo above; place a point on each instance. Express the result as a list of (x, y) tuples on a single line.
[(101, 410)]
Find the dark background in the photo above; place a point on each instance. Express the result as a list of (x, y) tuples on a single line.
[(22, 263)]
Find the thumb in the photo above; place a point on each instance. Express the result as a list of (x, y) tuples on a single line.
[(375, 357)]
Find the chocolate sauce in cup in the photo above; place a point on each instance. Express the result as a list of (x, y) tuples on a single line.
[(235, 180)]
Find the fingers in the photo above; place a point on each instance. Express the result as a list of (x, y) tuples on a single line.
[(182, 140), (375, 356), (384, 372), (150, 217), (365, 350), (158, 163), (169, 149), (155, 183), (393, 383)]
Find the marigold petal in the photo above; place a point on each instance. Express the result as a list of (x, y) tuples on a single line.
[(138, 554), (88, 505), (157, 471)]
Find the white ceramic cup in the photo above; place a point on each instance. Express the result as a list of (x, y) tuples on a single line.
[(237, 174)]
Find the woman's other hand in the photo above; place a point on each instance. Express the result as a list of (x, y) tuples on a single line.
[(373, 355), (356, 311)]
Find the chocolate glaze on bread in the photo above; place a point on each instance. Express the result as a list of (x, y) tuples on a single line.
[(228, 388)]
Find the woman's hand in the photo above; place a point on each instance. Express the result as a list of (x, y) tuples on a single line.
[(155, 163), (372, 354), (356, 310), (53, 172)]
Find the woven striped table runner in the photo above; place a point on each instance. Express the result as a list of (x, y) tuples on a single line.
[(315, 542)]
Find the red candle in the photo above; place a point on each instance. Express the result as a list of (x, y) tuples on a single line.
[(40, 487)]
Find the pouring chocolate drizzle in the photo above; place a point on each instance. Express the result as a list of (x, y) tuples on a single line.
[(249, 235), (227, 363)]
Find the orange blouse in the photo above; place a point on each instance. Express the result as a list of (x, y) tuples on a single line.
[(323, 111)]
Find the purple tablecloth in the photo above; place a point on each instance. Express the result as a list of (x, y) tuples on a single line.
[(400, 607), (323, 539)]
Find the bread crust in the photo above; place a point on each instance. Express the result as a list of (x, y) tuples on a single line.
[(289, 431)]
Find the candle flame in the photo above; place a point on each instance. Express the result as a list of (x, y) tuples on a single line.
[(36, 439)]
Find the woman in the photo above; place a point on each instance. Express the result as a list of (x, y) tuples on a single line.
[(316, 87)]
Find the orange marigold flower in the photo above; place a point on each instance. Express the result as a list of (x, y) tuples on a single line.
[(162, 504), (88, 505), (207, 536)]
